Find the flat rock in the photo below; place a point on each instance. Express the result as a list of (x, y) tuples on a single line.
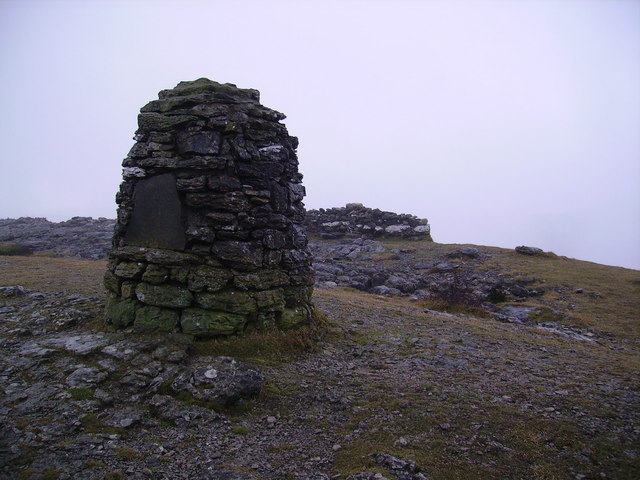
[(86, 377)]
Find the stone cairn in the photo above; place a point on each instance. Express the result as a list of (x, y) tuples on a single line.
[(209, 238)]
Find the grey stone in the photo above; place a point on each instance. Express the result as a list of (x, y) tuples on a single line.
[(523, 249), (124, 418), (86, 377), (82, 344), (14, 291), (201, 142)]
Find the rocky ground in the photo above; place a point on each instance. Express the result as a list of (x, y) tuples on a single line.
[(395, 385), (81, 237), (352, 261)]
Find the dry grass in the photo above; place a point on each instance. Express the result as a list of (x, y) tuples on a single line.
[(51, 275)]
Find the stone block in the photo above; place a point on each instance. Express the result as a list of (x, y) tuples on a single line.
[(261, 280), (207, 323), (155, 274), (206, 278), (129, 270), (111, 282), (201, 142), (242, 255), (120, 312), (170, 296), (155, 319), (150, 122), (270, 300), (228, 301)]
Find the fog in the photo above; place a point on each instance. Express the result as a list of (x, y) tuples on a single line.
[(503, 122)]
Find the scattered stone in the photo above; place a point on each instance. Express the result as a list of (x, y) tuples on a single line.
[(220, 379), (14, 291), (469, 252), (124, 418), (401, 442), (86, 377), (528, 250)]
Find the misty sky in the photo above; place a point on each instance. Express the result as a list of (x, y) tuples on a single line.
[(502, 122)]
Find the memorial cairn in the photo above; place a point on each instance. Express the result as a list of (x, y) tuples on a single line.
[(209, 238)]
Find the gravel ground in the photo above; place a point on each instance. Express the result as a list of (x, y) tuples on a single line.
[(389, 392)]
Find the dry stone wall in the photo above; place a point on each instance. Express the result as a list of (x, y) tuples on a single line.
[(357, 220), (209, 237)]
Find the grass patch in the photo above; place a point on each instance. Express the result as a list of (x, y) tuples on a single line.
[(92, 424), (127, 454), (270, 346), (55, 274), (79, 394), (240, 430)]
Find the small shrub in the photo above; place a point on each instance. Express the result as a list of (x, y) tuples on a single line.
[(459, 290), (11, 248), (50, 473), (240, 430), (497, 295), (267, 345)]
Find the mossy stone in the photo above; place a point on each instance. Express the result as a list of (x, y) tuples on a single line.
[(120, 312), (128, 289), (229, 301), (270, 300), (293, 317), (111, 282), (207, 323), (208, 278), (170, 296), (261, 280), (155, 274), (129, 270), (155, 319)]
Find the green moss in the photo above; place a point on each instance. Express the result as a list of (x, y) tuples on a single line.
[(240, 430), (155, 319), (120, 312), (79, 394), (205, 323)]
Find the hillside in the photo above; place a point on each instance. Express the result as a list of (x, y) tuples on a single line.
[(415, 374)]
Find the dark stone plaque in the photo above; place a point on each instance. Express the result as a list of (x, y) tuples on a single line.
[(157, 220)]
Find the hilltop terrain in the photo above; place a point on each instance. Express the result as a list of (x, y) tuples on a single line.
[(428, 361)]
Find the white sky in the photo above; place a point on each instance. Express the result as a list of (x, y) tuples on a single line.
[(502, 122)]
